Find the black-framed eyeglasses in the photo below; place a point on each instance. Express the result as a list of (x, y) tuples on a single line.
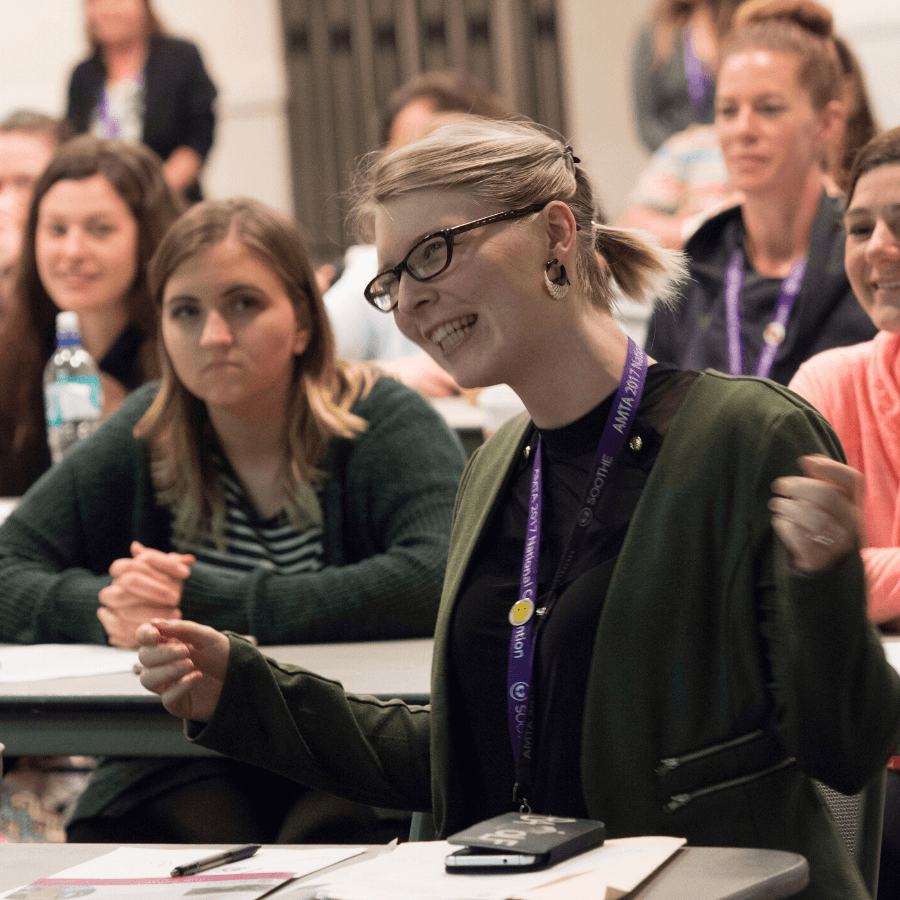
[(429, 257)]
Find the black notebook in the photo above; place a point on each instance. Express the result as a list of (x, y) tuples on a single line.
[(550, 838)]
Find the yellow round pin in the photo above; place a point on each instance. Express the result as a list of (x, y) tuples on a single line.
[(521, 611)]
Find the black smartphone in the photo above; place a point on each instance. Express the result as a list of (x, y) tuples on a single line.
[(482, 859)]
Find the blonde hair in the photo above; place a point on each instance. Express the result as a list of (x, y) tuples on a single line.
[(177, 426), (515, 163)]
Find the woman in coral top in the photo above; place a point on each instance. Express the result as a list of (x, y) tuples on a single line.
[(857, 388)]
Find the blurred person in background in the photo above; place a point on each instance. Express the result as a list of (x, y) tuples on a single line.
[(860, 124), (673, 66), (687, 180), (768, 288), (97, 213), (142, 84), (28, 141)]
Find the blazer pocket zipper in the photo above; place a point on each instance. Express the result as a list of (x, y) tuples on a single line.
[(677, 801), (673, 762)]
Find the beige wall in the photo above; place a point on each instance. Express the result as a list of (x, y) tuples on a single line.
[(595, 40)]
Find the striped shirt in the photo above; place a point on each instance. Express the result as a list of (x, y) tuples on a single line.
[(254, 543)]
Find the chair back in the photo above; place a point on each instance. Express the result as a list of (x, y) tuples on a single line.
[(422, 827), (859, 819)]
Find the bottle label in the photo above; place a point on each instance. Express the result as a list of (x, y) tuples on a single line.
[(76, 398)]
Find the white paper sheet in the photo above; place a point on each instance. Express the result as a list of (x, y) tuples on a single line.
[(401, 874), (114, 874), (892, 651), (42, 662)]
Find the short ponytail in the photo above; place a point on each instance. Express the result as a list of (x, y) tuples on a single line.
[(643, 270)]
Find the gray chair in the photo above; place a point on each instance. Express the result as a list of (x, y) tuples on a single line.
[(859, 819)]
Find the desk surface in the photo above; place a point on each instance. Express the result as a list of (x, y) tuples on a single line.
[(695, 873), (114, 715)]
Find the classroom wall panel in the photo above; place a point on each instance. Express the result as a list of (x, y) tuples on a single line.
[(345, 57)]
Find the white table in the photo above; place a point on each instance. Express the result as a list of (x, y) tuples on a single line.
[(695, 873), (113, 715)]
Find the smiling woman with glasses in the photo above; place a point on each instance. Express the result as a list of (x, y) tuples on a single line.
[(654, 598)]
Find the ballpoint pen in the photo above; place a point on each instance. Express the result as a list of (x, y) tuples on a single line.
[(217, 859)]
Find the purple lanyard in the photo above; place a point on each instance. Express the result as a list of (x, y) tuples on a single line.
[(524, 633), (698, 79), (774, 332), (109, 124)]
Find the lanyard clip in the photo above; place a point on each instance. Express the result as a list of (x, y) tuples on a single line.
[(523, 803)]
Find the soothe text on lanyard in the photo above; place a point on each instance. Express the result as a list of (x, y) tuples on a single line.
[(775, 331), (522, 642)]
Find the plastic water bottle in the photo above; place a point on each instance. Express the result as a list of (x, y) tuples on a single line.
[(72, 394)]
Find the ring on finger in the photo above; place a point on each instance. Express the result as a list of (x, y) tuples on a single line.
[(824, 540)]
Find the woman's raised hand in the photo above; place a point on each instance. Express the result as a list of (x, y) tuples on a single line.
[(145, 586), (185, 664), (818, 514)]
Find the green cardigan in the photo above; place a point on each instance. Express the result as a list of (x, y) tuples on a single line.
[(387, 501), (721, 683)]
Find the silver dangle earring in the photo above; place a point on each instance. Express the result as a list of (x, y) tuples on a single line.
[(557, 287)]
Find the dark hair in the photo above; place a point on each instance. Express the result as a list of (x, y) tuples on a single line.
[(151, 18), (448, 91), (27, 332), (861, 125), (882, 150), (802, 28), (177, 424)]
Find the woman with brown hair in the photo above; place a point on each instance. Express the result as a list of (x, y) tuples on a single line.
[(767, 287), (97, 214), (860, 124), (858, 390), (264, 486)]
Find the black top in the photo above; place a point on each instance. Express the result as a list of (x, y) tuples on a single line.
[(480, 630), (178, 97), (826, 313)]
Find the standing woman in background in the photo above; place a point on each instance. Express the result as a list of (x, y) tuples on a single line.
[(768, 288), (142, 84), (96, 216), (673, 61)]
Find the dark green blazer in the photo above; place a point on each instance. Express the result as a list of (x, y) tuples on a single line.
[(721, 683)]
